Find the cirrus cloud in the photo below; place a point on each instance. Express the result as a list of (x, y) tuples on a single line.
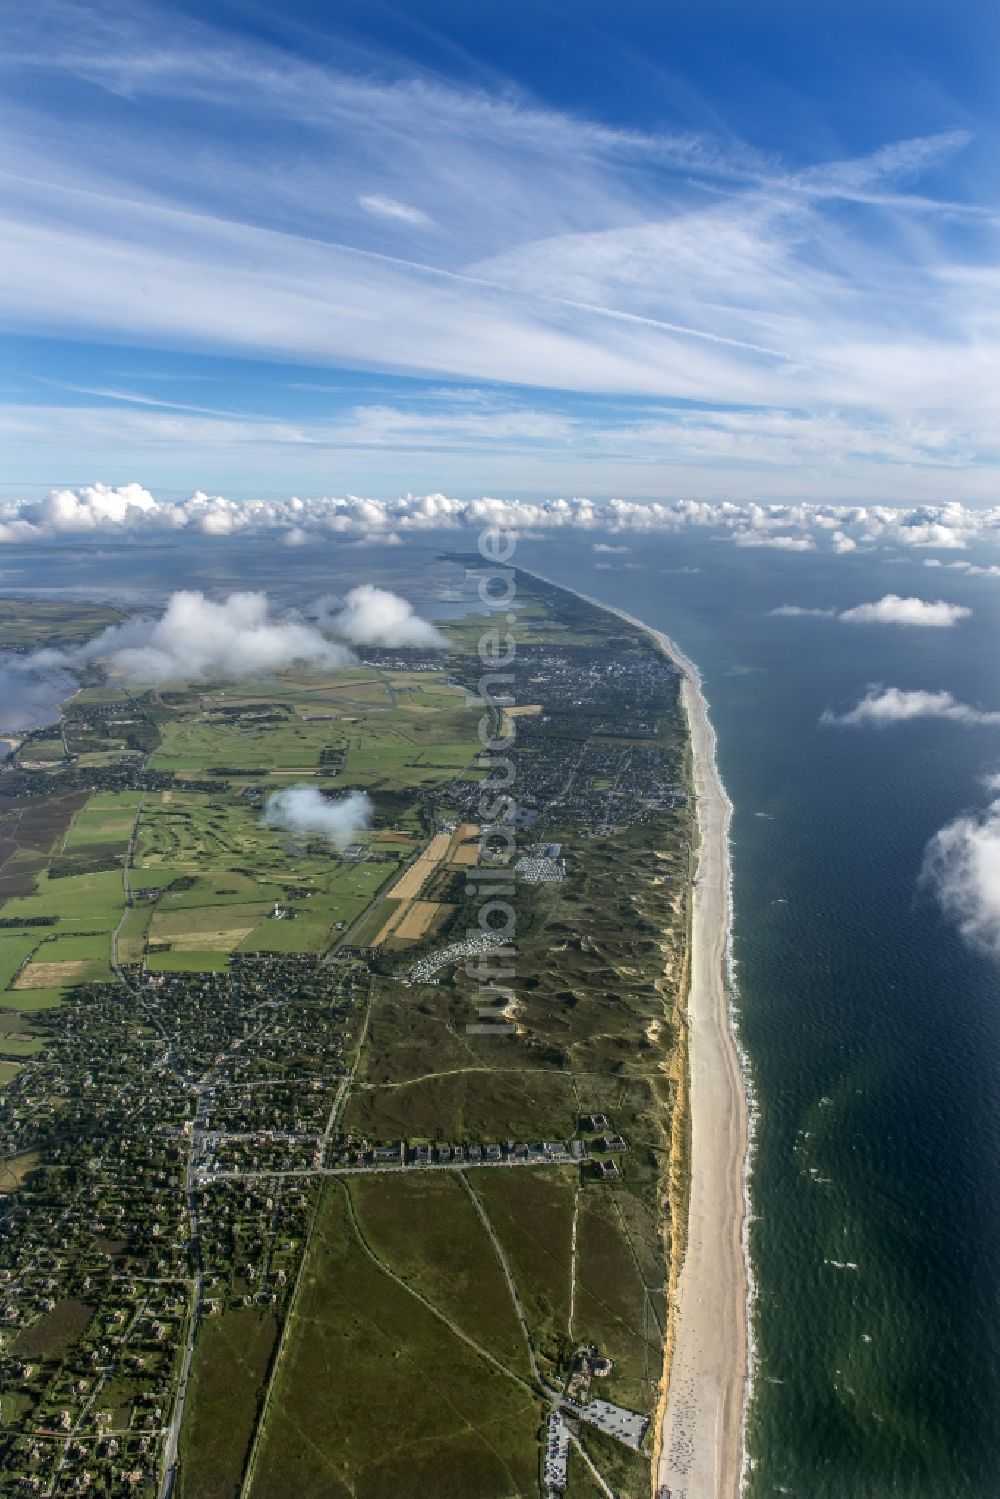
[(800, 611), (390, 208)]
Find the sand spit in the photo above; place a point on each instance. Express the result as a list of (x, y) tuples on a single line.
[(700, 1447)]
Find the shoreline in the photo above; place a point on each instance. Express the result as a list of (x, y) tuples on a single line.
[(700, 1442)]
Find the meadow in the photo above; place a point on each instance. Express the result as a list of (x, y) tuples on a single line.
[(228, 1373), (375, 1396)]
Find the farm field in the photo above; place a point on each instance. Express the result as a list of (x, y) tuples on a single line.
[(74, 944), (402, 917), (208, 875), (370, 731), (29, 830), (107, 818)]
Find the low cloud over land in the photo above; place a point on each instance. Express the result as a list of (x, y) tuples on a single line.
[(195, 639), (962, 867), (305, 812), (374, 616), (883, 706)]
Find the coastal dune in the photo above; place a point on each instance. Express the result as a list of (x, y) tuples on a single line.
[(700, 1451)]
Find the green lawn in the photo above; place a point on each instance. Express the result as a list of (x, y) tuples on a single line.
[(27, 1000)]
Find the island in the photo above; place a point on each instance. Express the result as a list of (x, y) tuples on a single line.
[(364, 1167)]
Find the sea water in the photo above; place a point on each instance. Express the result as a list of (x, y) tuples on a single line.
[(872, 1031)]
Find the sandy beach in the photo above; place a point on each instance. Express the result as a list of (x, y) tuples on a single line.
[(701, 1446), (701, 1438)]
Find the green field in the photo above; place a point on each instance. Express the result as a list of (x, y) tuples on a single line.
[(228, 1372), (391, 736), (20, 1046), (214, 867), (27, 1000), (107, 818), (86, 902), (15, 948), (427, 1230), (375, 1398), (532, 1216), (206, 961), (33, 623)]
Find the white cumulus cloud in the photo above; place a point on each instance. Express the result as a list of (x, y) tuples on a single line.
[(374, 616), (104, 513), (894, 610), (962, 867), (196, 638), (882, 706), (306, 813), (890, 610)]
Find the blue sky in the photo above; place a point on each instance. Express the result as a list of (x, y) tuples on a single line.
[(707, 250)]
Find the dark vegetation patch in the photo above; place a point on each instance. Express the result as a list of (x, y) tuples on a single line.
[(228, 1375), (375, 1398), (427, 1230), (55, 1331)]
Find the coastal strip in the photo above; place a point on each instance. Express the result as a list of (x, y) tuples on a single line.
[(700, 1452)]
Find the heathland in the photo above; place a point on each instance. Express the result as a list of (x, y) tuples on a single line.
[(348, 1170)]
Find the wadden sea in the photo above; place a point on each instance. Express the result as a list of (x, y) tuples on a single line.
[(871, 1030)]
